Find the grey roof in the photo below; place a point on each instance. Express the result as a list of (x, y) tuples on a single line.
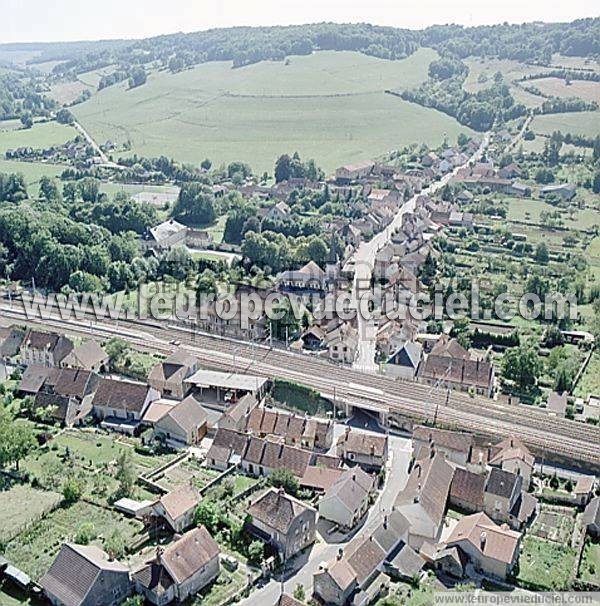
[(408, 562), (226, 380), (35, 376), (391, 531), (502, 483), (591, 515), (86, 355), (188, 414), (353, 486), (10, 341), (277, 510), (75, 571), (408, 355)]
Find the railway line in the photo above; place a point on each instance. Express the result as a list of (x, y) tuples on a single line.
[(561, 438)]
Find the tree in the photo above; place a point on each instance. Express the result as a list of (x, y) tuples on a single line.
[(116, 349), (49, 190), (125, 474), (195, 205), (283, 168), (299, 592), (522, 365), (256, 552), (27, 120), (137, 76), (541, 253), (207, 514), (72, 490), (64, 116), (284, 478), (115, 545), (85, 534), (596, 183), (206, 164)]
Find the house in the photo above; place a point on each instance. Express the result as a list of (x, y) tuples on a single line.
[(177, 507), (368, 450), (424, 498), (406, 564), (11, 338), (168, 377), (591, 518), (342, 343), (352, 172), (467, 490), (458, 373), (67, 395), (566, 191), (88, 356), (184, 424), (33, 379), (83, 575), (492, 549), (348, 499), (313, 338), (557, 404), (353, 577), (122, 400), (226, 450), (44, 348), (512, 455), (164, 236), (319, 478), (310, 277), (181, 569), (278, 212), (295, 430), (584, 489), (283, 521), (263, 457), (465, 197), (455, 445), (510, 171), (502, 490)]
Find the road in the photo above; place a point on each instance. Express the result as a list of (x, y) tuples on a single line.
[(105, 160), (563, 440), (364, 260), (300, 571)]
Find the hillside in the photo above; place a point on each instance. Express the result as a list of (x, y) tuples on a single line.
[(329, 105)]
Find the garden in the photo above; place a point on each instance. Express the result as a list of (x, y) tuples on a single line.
[(545, 566)]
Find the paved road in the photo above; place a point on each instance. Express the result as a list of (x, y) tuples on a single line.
[(364, 260), (301, 571)]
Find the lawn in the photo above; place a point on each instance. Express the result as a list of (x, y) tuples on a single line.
[(41, 135), (330, 106), (222, 590), (14, 513), (576, 123), (32, 171), (590, 565), (527, 210), (33, 550), (545, 566)]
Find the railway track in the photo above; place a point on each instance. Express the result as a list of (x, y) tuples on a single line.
[(561, 437)]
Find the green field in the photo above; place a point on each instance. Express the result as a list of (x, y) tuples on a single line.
[(527, 210), (545, 566), (576, 123), (32, 171), (590, 565), (40, 135), (15, 516), (557, 87), (330, 106)]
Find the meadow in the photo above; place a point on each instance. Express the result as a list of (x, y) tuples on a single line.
[(557, 87), (576, 123), (330, 106), (40, 135)]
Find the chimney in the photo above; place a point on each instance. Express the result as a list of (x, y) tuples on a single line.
[(340, 553), (482, 540), (385, 521), (159, 552)]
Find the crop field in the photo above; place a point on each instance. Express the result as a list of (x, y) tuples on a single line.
[(576, 62), (576, 123), (329, 106), (556, 87)]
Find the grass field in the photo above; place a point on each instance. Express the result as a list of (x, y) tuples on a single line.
[(556, 87), (330, 106), (545, 565), (527, 210), (590, 565), (590, 380), (40, 135), (15, 516), (33, 550), (576, 123), (576, 62)]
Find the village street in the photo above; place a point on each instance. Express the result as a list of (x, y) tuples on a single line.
[(364, 260)]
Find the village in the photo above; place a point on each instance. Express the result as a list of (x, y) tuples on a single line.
[(214, 486)]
